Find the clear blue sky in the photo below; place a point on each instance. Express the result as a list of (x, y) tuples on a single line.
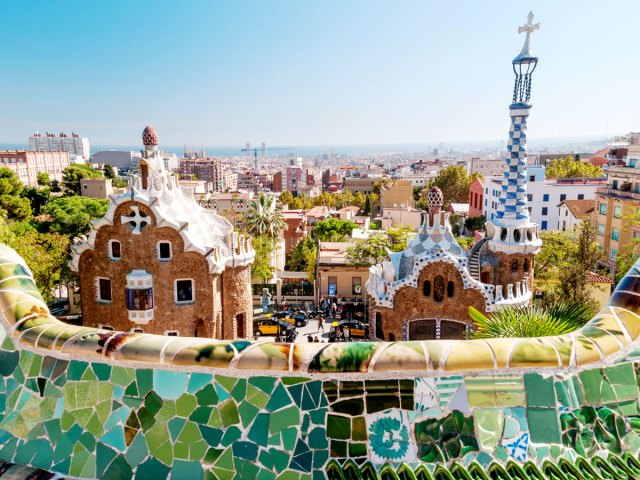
[(312, 72)]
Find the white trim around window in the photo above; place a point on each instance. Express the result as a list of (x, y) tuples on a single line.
[(184, 293), (172, 333), (115, 258), (164, 258), (100, 283)]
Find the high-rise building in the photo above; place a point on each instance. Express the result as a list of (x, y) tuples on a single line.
[(211, 170), (74, 144)]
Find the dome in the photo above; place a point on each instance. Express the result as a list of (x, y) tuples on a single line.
[(149, 136), (435, 197)]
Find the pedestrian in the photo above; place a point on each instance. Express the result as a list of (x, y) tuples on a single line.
[(321, 324), (334, 310), (309, 338)]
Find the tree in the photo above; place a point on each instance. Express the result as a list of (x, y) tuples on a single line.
[(265, 218), (333, 229), (368, 252), (368, 210), (37, 197), (72, 175), (475, 223), (43, 179), (46, 254), (109, 172), (454, 183), (71, 215), (630, 250), (380, 184), (11, 202), (585, 255), (530, 321), (286, 198), (303, 257), (55, 186), (568, 167), (397, 237), (262, 267)]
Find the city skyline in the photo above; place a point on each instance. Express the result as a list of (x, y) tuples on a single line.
[(291, 74)]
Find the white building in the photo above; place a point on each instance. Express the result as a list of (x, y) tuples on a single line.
[(120, 159), (74, 144), (543, 196), (572, 212)]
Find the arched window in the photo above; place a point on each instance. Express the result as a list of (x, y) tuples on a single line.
[(438, 288), (379, 331), (514, 265), (426, 288), (450, 289), (525, 264)]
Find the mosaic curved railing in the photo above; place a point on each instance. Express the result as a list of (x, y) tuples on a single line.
[(92, 403)]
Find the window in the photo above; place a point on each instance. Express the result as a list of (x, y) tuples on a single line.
[(172, 333), (514, 265), (545, 197), (137, 330), (164, 251), (525, 265), (105, 327), (183, 292), (450, 289), (615, 234), (563, 197), (602, 208), (529, 197), (333, 285), (614, 185), (617, 211), (545, 210), (139, 298), (104, 290), (438, 288), (114, 250), (356, 285), (426, 288), (530, 209), (543, 225), (581, 196), (613, 254), (532, 178)]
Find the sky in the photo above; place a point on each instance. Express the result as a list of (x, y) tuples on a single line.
[(331, 72)]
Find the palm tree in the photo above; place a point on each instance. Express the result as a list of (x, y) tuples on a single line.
[(265, 218), (530, 321)]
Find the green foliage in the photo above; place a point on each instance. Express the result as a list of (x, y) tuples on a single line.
[(466, 242), (530, 321), (375, 249), (568, 167), (629, 251), (368, 208), (72, 175), (71, 215), (303, 257), (265, 217), (43, 179), (46, 254), (37, 197), (333, 229), (55, 186), (14, 206), (109, 172), (377, 186), (454, 183), (286, 198), (262, 267), (475, 223)]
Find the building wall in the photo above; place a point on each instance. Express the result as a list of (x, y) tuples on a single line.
[(536, 191), (139, 253), (566, 220), (476, 198), (96, 187), (344, 276), (363, 185), (237, 300), (398, 194), (411, 304), (28, 164), (116, 158), (393, 217)]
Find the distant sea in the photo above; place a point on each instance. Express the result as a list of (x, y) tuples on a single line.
[(552, 144)]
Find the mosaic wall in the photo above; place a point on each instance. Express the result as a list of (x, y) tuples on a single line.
[(95, 404)]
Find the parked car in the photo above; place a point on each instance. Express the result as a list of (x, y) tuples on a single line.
[(298, 319), (266, 325), (352, 310), (346, 329)]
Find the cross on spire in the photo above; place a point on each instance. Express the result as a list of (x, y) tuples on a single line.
[(528, 28)]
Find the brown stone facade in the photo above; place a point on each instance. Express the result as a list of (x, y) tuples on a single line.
[(201, 317), (413, 304), (510, 268), (237, 303)]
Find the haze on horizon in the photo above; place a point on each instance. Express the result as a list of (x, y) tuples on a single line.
[(299, 73)]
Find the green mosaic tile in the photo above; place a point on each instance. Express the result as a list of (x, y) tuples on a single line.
[(159, 443), (540, 391), (229, 413), (289, 436), (175, 426), (357, 449), (226, 382), (152, 469), (350, 406), (122, 376), (489, 425), (267, 384), (247, 413), (231, 434), (358, 428), (596, 387), (118, 468), (169, 385), (144, 378), (338, 427), (182, 470), (256, 396), (197, 381), (201, 415), (318, 438), (239, 392), (338, 448), (283, 419), (544, 425), (623, 380), (102, 371), (279, 399), (207, 396), (259, 431), (185, 405), (212, 436)]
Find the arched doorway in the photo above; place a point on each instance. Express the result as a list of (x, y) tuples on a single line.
[(436, 329), (199, 330)]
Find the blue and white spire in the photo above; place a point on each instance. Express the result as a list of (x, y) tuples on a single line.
[(511, 227)]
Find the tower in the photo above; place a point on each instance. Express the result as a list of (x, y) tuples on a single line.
[(511, 234)]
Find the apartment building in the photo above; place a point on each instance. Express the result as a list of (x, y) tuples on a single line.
[(28, 164)]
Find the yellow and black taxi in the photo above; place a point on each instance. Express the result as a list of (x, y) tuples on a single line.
[(345, 330), (267, 325), (298, 319)]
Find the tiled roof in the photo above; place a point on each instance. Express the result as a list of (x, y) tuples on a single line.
[(593, 277), (580, 208)]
